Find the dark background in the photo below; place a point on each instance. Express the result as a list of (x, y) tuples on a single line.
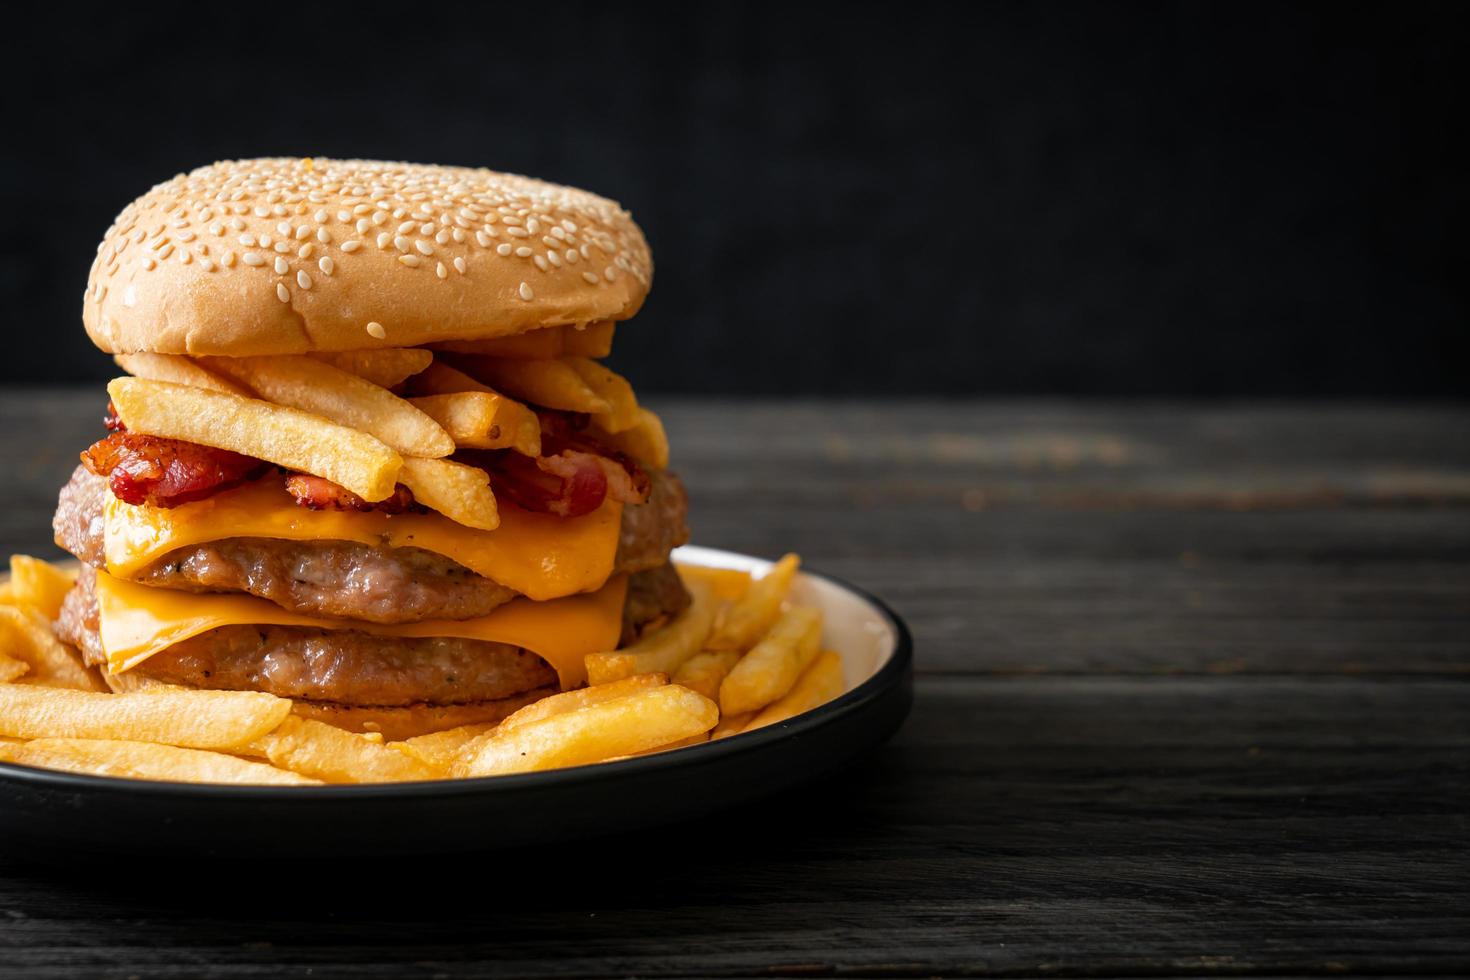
[(1136, 199)]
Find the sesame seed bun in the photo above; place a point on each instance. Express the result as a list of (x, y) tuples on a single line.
[(286, 256)]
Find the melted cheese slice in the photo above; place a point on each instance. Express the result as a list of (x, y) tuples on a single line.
[(536, 555), (136, 622)]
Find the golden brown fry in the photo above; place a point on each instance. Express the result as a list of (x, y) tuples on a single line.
[(820, 683), (645, 441), (745, 621), (334, 755), (440, 750), (26, 634), (593, 340), (459, 492), (703, 672), (385, 367), (484, 420), (317, 387), (624, 726), (581, 698), (729, 584), (285, 436), (39, 584), (195, 719), (178, 369), (731, 725), (697, 739), (663, 650), (613, 388), (772, 666), (441, 379), (10, 668), (550, 383), (147, 760)]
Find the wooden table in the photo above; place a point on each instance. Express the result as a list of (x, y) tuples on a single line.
[(1192, 699)]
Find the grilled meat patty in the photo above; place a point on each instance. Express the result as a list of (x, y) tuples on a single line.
[(352, 667), (347, 580)]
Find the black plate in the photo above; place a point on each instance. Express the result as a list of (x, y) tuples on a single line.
[(43, 810)]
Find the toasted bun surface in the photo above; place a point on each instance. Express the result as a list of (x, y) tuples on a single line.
[(286, 256)]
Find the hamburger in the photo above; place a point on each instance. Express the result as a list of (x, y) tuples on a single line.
[(366, 457)]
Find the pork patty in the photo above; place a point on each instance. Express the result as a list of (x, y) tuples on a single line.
[(352, 667), (347, 580)]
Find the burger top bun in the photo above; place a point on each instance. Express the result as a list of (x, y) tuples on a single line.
[(286, 256)]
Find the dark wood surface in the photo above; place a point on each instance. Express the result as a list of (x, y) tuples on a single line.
[(1193, 699)]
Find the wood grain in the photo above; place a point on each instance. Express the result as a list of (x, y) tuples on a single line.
[(1192, 702)]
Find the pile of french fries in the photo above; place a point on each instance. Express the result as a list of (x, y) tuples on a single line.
[(369, 420), (739, 658)]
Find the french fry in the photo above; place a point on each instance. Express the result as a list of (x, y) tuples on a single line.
[(39, 584), (703, 672), (583, 697), (550, 383), (147, 760), (484, 420), (696, 739), (820, 683), (320, 388), (593, 340), (26, 634), (179, 370), (663, 650), (729, 584), (194, 719), (745, 621), (7, 594), (285, 436), (613, 388), (623, 726), (334, 755), (441, 379), (386, 367), (772, 666), (440, 750), (459, 492), (10, 668), (645, 441), (731, 725)]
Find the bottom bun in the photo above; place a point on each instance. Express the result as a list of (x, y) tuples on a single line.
[(394, 723)]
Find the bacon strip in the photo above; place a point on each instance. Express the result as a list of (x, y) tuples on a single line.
[(319, 493), (166, 472)]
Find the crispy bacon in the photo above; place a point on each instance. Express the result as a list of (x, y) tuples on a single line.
[(318, 493), (166, 472), (572, 477), (112, 421)]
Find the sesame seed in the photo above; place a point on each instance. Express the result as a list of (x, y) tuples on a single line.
[(524, 251), (518, 232), (412, 261), (504, 248), (323, 236), (540, 261), (302, 279), (247, 240), (407, 227), (283, 247), (282, 293), (363, 226), (554, 259), (483, 239), (459, 264), (306, 251), (149, 263), (572, 255), (424, 247), (284, 227), (250, 258), (227, 260), (526, 293), (440, 271), (265, 241), (591, 277), (384, 239), (351, 246), (609, 273), (376, 330), (281, 267), (208, 264), (326, 265)]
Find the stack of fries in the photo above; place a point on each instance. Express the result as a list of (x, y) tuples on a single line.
[(739, 658)]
